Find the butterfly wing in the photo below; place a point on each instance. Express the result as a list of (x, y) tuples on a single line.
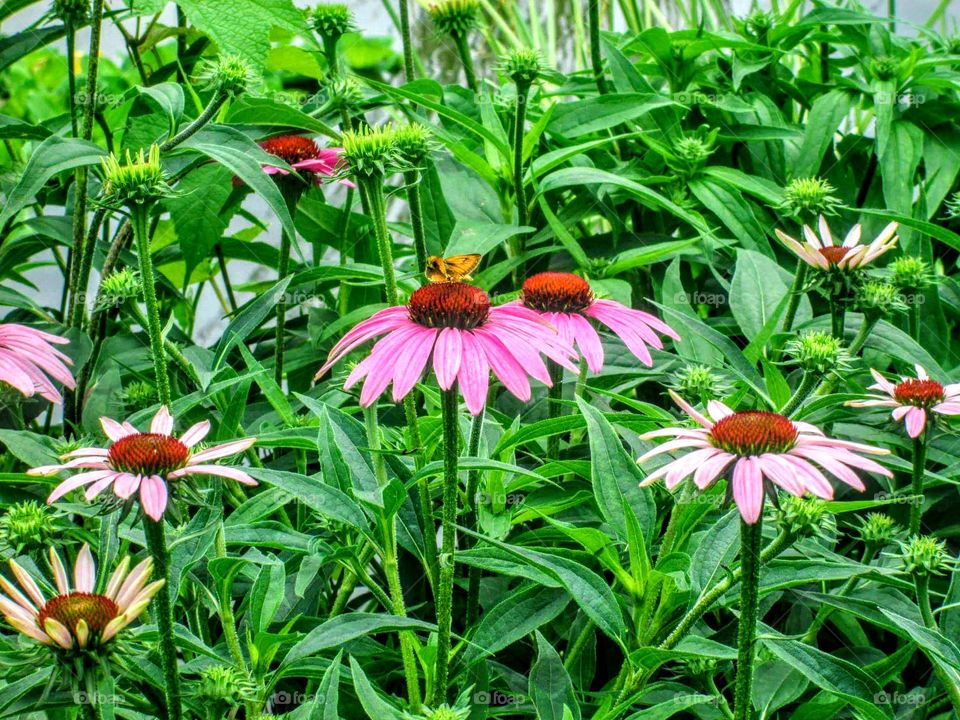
[(436, 270), (459, 267)]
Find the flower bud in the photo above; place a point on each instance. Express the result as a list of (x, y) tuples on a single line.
[(224, 684), (26, 524), (137, 181), (884, 67), (818, 352), (72, 12), (523, 66), (331, 21), (804, 516), (454, 17), (876, 298), (925, 555), (371, 151), (230, 74), (140, 395), (810, 196), (879, 529), (699, 383), (118, 287), (345, 94), (414, 143), (910, 273)]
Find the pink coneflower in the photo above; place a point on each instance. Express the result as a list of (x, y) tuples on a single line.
[(822, 253), (147, 462), (760, 445), (455, 323), (77, 617), (566, 301), (912, 398), (27, 356), (303, 155)]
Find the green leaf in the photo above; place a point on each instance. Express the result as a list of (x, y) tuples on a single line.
[(581, 117), (376, 707), (734, 212), (836, 676), (54, 155), (248, 319), (826, 114), (757, 290), (517, 615), (268, 113), (646, 255), (342, 629), (242, 27), (550, 688), (615, 476), (323, 499)]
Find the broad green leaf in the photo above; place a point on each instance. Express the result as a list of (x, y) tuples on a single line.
[(337, 631), (550, 688)]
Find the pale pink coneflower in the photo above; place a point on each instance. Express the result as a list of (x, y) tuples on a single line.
[(821, 252), (148, 462), (27, 357), (566, 301), (761, 446), (455, 324), (912, 398), (77, 617)]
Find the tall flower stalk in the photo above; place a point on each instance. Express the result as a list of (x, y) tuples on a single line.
[(523, 67), (751, 536), (457, 19)]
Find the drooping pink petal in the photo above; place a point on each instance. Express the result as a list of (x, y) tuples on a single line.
[(748, 489), (410, 363), (228, 472), (711, 469), (76, 481), (446, 357), (916, 420), (126, 484), (153, 497), (588, 340), (474, 374)]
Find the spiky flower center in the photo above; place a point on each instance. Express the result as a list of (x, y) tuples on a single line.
[(922, 393), (557, 292), (835, 253), (754, 432), (291, 148), (96, 610), (148, 454), (449, 304)]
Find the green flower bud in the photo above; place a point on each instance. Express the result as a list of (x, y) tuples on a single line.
[(818, 352), (331, 22), (760, 22), (138, 180), (879, 529), (884, 68), (523, 66), (225, 685), (454, 17), (693, 150), (444, 712), (230, 74), (414, 143), (910, 273), (804, 517), (810, 196), (27, 524), (72, 12), (118, 287), (925, 555), (140, 395), (345, 94), (876, 298), (699, 383), (371, 151)]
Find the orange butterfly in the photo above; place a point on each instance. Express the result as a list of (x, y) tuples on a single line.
[(451, 269)]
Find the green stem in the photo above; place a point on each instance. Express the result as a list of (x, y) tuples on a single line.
[(578, 645), (463, 49), (473, 519), (391, 566), (807, 383), (408, 71), (554, 406), (914, 318), (922, 584), (777, 546), (596, 60), (209, 112), (72, 73), (919, 468), (838, 315), (411, 179), (82, 278), (141, 235), (751, 537), (796, 292), (157, 546), (863, 334), (372, 188), (520, 120), (451, 453), (291, 194)]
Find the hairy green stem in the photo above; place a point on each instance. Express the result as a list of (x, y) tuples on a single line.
[(916, 483), (554, 406), (209, 112), (291, 194), (751, 537), (807, 383), (596, 60), (838, 315), (473, 518), (914, 319), (391, 567), (157, 547), (463, 49), (520, 121), (372, 188), (451, 455), (411, 179), (796, 292), (80, 281), (141, 235), (72, 73), (408, 71)]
